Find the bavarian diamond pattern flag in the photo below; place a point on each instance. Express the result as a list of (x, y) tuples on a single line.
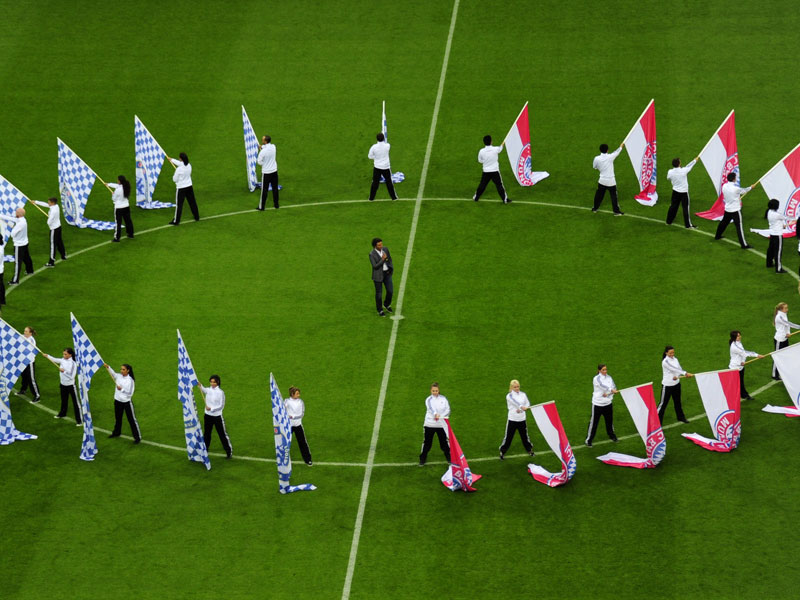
[(187, 379), (149, 160), (75, 181), (282, 429), (89, 361), (16, 353), (8, 433), (250, 151), (10, 200)]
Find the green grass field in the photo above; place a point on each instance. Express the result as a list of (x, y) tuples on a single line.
[(540, 290)]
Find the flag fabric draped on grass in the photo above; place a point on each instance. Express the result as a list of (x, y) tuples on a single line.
[(719, 391), (549, 423), (518, 148), (641, 403), (396, 177), (75, 181), (788, 362), (89, 362), (250, 152), (16, 353), (8, 432), (282, 429), (720, 157), (782, 182), (641, 146), (458, 475), (149, 161), (10, 200), (187, 379)]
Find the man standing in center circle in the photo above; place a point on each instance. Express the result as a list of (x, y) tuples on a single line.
[(382, 270), (379, 154), (491, 170), (269, 171), (604, 162)]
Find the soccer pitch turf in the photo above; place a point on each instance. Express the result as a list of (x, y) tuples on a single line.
[(540, 290)]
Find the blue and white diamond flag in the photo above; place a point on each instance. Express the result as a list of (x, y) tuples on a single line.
[(187, 379), (149, 160), (16, 353), (89, 362), (283, 442), (8, 432), (75, 181), (396, 177), (250, 151), (10, 200)]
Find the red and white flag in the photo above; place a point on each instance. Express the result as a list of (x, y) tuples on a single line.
[(788, 363), (641, 403), (720, 157), (518, 148), (719, 391), (782, 182), (641, 146), (458, 475), (546, 417)]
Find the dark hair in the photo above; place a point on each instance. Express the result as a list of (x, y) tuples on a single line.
[(70, 350), (375, 241), (676, 162), (667, 348), (772, 205), (292, 390), (380, 137), (184, 158), (734, 334), (731, 176), (33, 331), (215, 378), (603, 148), (130, 370), (600, 366), (487, 139), (269, 139), (53, 200), (435, 384), (126, 185)]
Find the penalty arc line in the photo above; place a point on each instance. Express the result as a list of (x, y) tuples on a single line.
[(362, 502)]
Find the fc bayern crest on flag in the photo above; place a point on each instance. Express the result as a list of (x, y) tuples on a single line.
[(518, 148), (641, 146), (720, 156)]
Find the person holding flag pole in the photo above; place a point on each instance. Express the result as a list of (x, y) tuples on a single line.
[(125, 384), (488, 157), (679, 177), (738, 360), (183, 187), (214, 399), (19, 236), (604, 162), (517, 403), (732, 196), (782, 328), (120, 196), (604, 389), (68, 370), (672, 372), (54, 223)]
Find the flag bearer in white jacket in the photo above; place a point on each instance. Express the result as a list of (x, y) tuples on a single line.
[(68, 369), (214, 399), (603, 390), (517, 403), (54, 224), (782, 331), (738, 357), (437, 409), (296, 410), (125, 384), (671, 384)]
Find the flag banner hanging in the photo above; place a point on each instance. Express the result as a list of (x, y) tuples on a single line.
[(641, 146), (149, 160), (765, 232), (719, 391), (187, 379), (518, 149), (788, 362), (549, 423), (396, 177), (89, 362), (250, 152), (458, 475), (282, 429), (720, 157), (782, 182), (75, 181), (10, 200), (8, 432), (16, 353), (641, 403)]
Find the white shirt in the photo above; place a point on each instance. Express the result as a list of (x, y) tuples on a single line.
[(53, 214), (602, 395), (732, 196), (605, 164), (671, 368), (436, 405), (488, 157), (295, 409), (70, 367), (183, 174), (739, 355), (19, 233), (266, 158), (516, 401), (118, 196), (127, 384), (782, 325), (215, 400), (776, 223), (678, 176), (379, 153)]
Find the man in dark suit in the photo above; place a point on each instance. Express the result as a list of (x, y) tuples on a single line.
[(382, 270)]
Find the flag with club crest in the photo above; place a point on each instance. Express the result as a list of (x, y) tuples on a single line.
[(720, 157), (16, 353), (458, 475), (149, 160), (250, 152), (549, 423), (782, 182), (187, 379), (10, 200), (788, 362), (397, 177), (282, 429), (89, 362), (75, 181), (641, 146), (518, 148), (719, 391), (641, 403)]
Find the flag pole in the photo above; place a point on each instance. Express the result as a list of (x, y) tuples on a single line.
[(515, 122), (711, 139), (37, 206), (543, 403), (771, 353), (646, 108), (170, 160)]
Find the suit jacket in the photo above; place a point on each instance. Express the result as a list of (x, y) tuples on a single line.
[(378, 262)]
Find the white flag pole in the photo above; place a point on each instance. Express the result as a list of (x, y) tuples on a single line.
[(646, 108), (711, 139), (514, 123), (39, 208)]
